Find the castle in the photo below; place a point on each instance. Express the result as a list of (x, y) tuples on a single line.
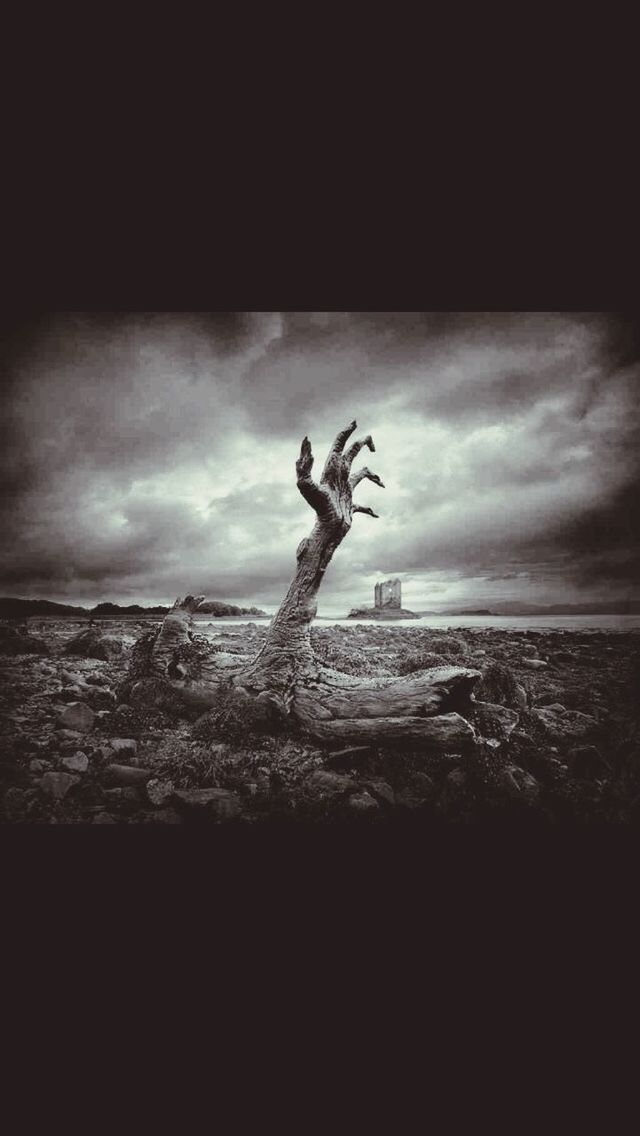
[(387, 594)]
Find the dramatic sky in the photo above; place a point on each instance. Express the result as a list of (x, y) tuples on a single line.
[(145, 455)]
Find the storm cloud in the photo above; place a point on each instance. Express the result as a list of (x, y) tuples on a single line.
[(149, 454)]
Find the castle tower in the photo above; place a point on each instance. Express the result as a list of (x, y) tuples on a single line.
[(388, 594)]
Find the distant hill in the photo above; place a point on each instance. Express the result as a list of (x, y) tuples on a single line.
[(12, 608), (217, 608), (515, 607)]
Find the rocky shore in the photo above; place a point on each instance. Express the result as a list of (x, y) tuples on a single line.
[(556, 721)]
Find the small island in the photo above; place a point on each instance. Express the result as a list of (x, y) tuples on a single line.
[(387, 604)]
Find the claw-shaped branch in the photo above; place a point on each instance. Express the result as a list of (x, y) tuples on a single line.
[(356, 478), (354, 450), (341, 437), (309, 489), (363, 509)]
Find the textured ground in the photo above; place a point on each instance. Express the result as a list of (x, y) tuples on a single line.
[(556, 717)]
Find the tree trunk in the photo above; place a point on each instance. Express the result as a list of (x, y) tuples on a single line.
[(326, 703)]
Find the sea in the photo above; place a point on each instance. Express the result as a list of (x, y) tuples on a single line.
[(208, 625)]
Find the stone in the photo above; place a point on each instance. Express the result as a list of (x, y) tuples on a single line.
[(534, 664), (521, 697), (570, 724), (57, 785), (76, 716), (495, 721), (222, 803), (325, 783), (127, 774), (37, 765), (519, 784), (363, 802), (456, 779), (76, 762), (129, 793), (97, 680), (91, 644), (419, 790), (381, 790), (159, 792), (17, 641), (124, 747), (104, 818), (69, 737)]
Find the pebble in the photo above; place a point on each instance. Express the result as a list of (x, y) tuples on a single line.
[(76, 762), (77, 716), (127, 774), (57, 785), (363, 802), (223, 803)]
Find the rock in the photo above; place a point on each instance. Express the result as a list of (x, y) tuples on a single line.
[(124, 747), (159, 792), (419, 791), (104, 818), (70, 678), (495, 721), (57, 785), (72, 693), (126, 795), (519, 784), (76, 716), (456, 779), (325, 783), (37, 765), (97, 680), (556, 708), (70, 737), (363, 802), (17, 641), (127, 774), (497, 686), (548, 698), (91, 644), (534, 664), (570, 724), (381, 790), (222, 803), (521, 697), (76, 762)]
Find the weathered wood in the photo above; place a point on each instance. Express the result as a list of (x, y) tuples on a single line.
[(448, 733), (421, 694)]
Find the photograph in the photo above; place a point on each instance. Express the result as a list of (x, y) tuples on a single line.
[(359, 569)]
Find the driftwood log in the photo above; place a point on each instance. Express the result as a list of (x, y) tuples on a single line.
[(426, 706)]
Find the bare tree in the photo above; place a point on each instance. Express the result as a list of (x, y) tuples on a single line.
[(286, 674)]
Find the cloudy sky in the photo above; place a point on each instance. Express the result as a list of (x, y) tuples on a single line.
[(145, 455)]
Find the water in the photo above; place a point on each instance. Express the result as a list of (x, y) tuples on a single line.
[(442, 622)]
